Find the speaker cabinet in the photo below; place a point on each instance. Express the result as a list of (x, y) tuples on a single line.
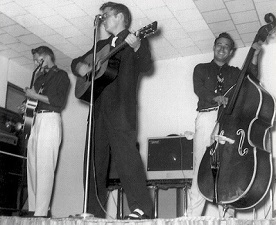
[(11, 161), (170, 153), (10, 177)]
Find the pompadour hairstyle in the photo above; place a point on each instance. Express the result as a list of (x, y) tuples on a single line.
[(44, 50), (226, 35), (119, 8)]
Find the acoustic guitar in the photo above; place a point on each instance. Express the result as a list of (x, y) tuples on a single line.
[(106, 68)]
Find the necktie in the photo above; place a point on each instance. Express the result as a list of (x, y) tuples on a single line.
[(220, 80)]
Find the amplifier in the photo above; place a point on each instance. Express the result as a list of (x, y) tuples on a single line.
[(12, 162), (170, 153)]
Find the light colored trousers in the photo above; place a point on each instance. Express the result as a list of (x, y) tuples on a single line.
[(42, 155), (204, 125)]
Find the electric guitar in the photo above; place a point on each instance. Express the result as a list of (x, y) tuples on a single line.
[(106, 70), (31, 104)]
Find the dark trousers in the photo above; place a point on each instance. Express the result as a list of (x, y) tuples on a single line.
[(121, 144)]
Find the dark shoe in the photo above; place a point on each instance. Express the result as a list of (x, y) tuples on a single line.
[(40, 217), (26, 214), (137, 214), (30, 214)]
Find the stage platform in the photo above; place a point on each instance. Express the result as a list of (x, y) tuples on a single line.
[(4, 220)]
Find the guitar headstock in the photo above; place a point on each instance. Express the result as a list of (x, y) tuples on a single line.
[(267, 29), (147, 30)]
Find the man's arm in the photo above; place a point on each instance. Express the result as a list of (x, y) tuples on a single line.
[(141, 49), (31, 93), (79, 66), (253, 67)]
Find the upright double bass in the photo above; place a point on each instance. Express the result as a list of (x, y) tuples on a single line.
[(236, 169)]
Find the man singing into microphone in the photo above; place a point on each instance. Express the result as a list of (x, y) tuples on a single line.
[(116, 115)]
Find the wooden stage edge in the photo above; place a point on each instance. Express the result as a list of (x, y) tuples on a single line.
[(14, 220)]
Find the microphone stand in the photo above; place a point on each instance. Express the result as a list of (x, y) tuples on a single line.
[(90, 135)]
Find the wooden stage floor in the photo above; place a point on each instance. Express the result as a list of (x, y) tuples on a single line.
[(14, 220)]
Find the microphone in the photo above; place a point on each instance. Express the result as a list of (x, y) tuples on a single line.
[(100, 16), (41, 62), (98, 19), (38, 68)]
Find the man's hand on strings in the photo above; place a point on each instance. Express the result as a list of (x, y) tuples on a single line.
[(30, 93), (83, 68), (133, 41), (258, 48)]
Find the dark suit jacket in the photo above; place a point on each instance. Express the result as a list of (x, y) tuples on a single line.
[(118, 101)]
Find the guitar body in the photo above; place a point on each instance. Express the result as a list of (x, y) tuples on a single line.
[(106, 67), (29, 117), (104, 76)]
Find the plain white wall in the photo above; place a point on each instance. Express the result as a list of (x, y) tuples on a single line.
[(68, 195), (3, 80), (167, 105)]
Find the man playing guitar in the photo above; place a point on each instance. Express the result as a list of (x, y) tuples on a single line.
[(50, 90), (116, 115)]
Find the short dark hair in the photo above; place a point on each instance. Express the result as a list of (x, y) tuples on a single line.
[(226, 35), (119, 8), (44, 50)]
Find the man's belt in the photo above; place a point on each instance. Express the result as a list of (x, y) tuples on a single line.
[(45, 111)]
